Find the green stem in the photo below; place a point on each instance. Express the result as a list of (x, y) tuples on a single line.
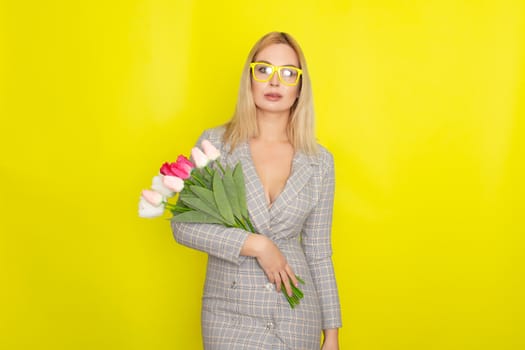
[(297, 292), (196, 178), (220, 166), (168, 205), (252, 229), (208, 170), (240, 224), (296, 296), (180, 209)]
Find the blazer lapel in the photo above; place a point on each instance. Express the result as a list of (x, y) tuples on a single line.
[(260, 213), (302, 171)]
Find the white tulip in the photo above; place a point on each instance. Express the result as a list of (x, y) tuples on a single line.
[(159, 186), (209, 150), (174, 183), (146, 210), (199, 157)]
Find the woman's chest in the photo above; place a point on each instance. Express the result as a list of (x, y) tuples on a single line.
[(273, 166)]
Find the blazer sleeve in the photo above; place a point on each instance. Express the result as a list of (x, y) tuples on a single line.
[(316, 241), (214, 239)]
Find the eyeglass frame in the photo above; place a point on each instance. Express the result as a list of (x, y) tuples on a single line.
[(278, 70)]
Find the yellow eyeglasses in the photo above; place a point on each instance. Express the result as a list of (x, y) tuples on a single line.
[(263, 72)]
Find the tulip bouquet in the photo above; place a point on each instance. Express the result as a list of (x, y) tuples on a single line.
[(207, 193)]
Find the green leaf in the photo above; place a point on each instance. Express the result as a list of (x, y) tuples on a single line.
[(206, 174), (200, 179), (221, 200), (206, 195), (185, 195), (231, 190), (238, 178), (199, 205), (184, 191), (195, 216)]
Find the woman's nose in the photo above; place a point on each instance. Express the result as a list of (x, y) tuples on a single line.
[(274, 80)]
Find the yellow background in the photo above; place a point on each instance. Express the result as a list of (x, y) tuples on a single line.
[(421, 102)]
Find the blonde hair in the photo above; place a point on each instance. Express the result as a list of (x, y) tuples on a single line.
[(243, 124)]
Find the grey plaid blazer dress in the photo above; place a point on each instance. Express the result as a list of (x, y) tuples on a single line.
[(240, 308)]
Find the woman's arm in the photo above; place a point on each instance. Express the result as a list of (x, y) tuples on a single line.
[(317, 245), (232, 243), (216, 240), (331, 339)]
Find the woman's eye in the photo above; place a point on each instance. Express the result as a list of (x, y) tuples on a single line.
[(265, 70), (286, 72)]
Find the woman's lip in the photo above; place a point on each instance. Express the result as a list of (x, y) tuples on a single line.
[(272, 96)]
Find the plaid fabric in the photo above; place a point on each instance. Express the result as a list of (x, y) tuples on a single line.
[(240, 309)]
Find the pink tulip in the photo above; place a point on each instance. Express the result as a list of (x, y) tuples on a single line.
[(174, 183), (199, 157), (210, 151), (185, 162), (153, 197), (165, 169), (181, 168)]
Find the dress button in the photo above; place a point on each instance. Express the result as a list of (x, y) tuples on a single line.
[(269, 286), (269, 325), (233, 285)]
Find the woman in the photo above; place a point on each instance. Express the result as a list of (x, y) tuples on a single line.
[(289, 187)]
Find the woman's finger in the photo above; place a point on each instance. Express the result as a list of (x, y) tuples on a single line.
[(291, 274), (286, 281), (277, 281)]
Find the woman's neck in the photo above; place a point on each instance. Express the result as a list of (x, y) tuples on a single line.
[(272, 127)]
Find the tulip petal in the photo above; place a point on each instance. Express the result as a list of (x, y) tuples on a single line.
[(153, 197), (199, 157), (158, 185), (146, 210), (209, 150), (173, 183), (185, 161)]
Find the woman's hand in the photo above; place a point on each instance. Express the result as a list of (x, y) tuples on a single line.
[(271, 260)]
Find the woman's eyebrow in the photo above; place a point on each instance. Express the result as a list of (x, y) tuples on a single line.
[(284, 65)]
